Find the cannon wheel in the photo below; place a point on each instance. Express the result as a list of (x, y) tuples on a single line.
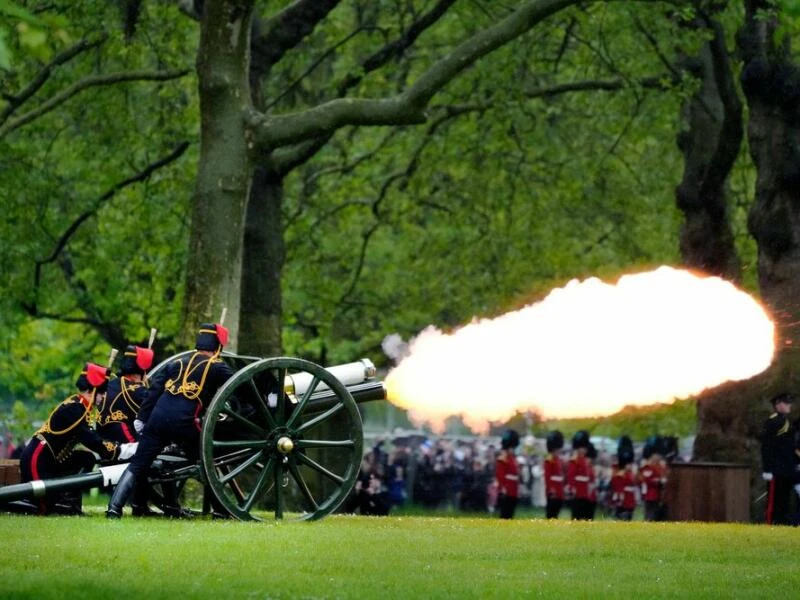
[(265, 451)]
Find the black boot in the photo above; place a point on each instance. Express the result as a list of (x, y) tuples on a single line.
[(141, 495), (218, 511), (125, 487), (69, 503)]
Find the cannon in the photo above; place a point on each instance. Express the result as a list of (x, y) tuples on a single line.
[(281, 439)]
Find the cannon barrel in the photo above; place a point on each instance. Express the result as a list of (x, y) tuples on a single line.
[(83, 481), (367, 391), (349, 374)]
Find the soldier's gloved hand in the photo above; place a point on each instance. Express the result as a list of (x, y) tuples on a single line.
[(797, 488), (138, 425), (766, 476), (127, 450)]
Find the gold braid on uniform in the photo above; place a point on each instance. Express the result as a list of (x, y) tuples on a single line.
[(46, 427), (127, 396), (190, 389)]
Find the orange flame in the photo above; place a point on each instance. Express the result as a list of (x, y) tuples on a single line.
[(588, 349)]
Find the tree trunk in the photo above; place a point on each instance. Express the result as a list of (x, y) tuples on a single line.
[(710, 144), (710, 141), (771, 84), (772, 89), (213, 278), (264, 253)]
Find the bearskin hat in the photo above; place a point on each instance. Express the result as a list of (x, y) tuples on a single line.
[(653, 445), (555, 441), (580, 439), (509, 440), (624, 451)]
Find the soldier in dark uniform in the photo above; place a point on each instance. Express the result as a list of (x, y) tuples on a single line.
[(779, 460), (120, 409), (173, 411), (507, 475), (125, 396), (554, 475), (51, 451)]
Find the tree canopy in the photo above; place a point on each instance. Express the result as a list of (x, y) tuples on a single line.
[(421, 162)]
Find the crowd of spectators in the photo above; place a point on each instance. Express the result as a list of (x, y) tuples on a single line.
[(454, 474)]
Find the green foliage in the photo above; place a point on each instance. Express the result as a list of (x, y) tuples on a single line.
[(639, 422), (123, 265), (387, 230), (489, 210), (23, 33)]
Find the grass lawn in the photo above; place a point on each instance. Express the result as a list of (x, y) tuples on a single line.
[(393, 557)]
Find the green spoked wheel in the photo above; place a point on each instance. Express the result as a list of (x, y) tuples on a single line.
[(269, 453)]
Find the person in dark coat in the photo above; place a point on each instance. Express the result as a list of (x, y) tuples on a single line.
[(125, 396), (779, 459), (173, 411), (120, 409), (52, 452)]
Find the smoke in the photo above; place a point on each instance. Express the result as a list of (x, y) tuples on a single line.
[(588, 349), (395, 347)]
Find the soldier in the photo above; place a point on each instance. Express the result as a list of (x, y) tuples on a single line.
[(51, 451), (507, 475), (174, 408), (580, 477), (120, 409), (653, 479), (125, 396), (778, 459), (554, 475), (623, 482)]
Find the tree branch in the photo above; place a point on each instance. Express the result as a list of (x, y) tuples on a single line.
[(312, 67), (408, 107), (402, 176), (88, 82), (302, 153), (396, 48), (285, 160), (283, 31), (608, 85), (656, 48), (63, 240), (17, 100)]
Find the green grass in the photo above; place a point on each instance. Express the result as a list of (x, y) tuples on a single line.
[(392, 557)]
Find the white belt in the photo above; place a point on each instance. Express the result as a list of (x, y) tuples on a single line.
[(512, 477), (582, 478), (556, 478), (630, 488)]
